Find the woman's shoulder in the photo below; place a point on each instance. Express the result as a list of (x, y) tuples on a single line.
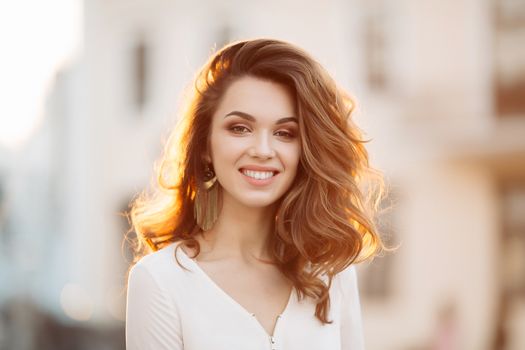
[(162, 262), (348, 271), (346, 280), (156, 258)]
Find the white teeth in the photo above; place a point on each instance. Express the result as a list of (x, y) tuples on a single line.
[(259, 175)]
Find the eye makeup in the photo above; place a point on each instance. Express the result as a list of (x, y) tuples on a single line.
[(239, 129)]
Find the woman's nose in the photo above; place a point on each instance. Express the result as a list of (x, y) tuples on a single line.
[(262, 147)]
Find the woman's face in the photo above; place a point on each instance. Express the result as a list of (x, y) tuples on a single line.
[(254, 142)]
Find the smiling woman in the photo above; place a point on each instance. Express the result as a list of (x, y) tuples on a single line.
[(259, 214)]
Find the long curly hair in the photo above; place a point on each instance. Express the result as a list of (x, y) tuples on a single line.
[(325, 222)]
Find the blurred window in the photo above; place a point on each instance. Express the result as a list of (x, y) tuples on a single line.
[(140, 73), (376, 277), (374, 32), (509, 60), (510, 316), (513, 254)]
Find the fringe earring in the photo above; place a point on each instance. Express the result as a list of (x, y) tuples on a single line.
[(206, 202)]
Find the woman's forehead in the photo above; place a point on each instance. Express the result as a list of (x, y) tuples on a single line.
[(257, 99)]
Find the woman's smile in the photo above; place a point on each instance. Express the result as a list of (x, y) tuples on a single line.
[(255, 133), (258, 178)]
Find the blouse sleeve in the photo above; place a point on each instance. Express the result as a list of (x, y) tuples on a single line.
[(152, 321), (351, 324)]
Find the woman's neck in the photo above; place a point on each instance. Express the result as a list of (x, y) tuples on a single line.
[(240, 232)]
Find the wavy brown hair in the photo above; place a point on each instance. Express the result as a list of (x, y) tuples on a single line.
[(325, 221)]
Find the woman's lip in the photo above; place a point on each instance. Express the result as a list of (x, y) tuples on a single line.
[(258, 168)]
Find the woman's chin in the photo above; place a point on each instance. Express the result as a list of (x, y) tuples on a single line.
[(257, 201)]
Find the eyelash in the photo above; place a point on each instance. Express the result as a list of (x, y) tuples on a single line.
[(235, 129)]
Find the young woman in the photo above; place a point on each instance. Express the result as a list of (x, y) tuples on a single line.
[(250, 236)]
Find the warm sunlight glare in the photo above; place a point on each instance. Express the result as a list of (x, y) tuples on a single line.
[(76, 302), (38, 37)]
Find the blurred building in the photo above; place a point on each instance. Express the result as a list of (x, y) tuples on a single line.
[(440, 89)]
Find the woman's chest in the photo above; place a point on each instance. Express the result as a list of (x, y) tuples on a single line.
[(262, 293), (214, 324)]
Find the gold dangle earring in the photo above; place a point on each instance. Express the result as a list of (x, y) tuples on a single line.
[(206, 202)]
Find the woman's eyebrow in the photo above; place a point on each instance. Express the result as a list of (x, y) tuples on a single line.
[(252, 118)]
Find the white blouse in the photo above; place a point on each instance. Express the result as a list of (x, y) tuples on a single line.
[(171, 308)]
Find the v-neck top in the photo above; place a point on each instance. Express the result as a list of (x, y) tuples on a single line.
[(169, 307)]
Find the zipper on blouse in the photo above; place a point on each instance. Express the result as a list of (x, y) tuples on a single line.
[(273, 345)]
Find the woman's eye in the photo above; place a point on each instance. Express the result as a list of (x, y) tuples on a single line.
[(285, 134), (239, 129)]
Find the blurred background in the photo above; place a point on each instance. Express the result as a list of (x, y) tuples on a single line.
[(89, 90)]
